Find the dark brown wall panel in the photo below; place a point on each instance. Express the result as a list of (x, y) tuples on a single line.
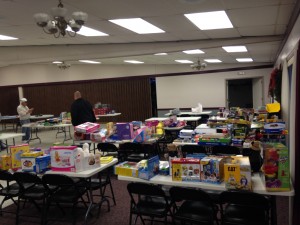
[(9, 99), (131, 97)]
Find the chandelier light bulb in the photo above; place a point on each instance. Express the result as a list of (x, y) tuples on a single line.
[(58, 24)]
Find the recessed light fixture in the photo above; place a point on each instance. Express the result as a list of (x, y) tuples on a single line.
[(89, 61), (163, 53), (235, 48), (210, 20), (56, 62), (183, 61), (88, 32), (212, 60), (133, 61), (7, 38), (244, 60), (194, 51), (137, 25)]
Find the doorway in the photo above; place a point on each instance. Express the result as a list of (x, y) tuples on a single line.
[(245, 93)]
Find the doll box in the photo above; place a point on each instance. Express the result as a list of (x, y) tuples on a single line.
[(186, 170), (63, 158)]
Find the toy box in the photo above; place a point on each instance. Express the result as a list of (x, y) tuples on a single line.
[(186, 170), (42, 163), (124, 131), (271, 128), (237, 173), (148, 168), (87, 127), (212, 169), (16, 152), (142, 134), (28, 160), (63, 158), (129, 169), (164, 168), (78, 136), (276, 167), (5, 162)]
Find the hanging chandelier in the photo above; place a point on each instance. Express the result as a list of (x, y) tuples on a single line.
[(58, 24)]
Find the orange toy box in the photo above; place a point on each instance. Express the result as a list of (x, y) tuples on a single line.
[(186, 169), (5, 162), (212, 169), (16, 152), (63, 158)]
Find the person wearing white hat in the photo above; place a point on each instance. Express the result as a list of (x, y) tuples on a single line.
[(24, 114)]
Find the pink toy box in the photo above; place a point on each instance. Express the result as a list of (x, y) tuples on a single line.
[(87, 127), (63, 158)]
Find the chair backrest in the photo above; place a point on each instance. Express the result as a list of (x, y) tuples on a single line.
[(6, 176), (107, 147), (26, 178), (145, 189), (57, 180), (179, 194), (225, 150), (193, 149), (130, 146)]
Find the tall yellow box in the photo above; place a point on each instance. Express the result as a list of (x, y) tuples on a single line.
[(5, 162), (237, 173), (16, 152)]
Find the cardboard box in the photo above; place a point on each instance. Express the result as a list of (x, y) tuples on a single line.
[(150, 169), (186, 170), (42, 164), (5, 162), (237, 174), (212, 169), (63, 158), (87, 127), (16, 152), (276, 167), (129, 169), (271, 128), (28, 160)]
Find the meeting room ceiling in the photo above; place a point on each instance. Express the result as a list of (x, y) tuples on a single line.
[(260, 25)]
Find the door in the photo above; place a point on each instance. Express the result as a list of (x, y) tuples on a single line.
[(240, 93)]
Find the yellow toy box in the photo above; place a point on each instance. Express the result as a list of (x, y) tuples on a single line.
[(129, 169), (212, 169), (16, 152), (28, 160), (186, 169), (237, 173), (5, 162)]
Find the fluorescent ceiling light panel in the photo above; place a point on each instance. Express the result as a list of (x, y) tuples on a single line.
[(194, 51), (163, 53), (210, 20), (88, 32), (133, 61), (7, 38), (137, 25), (56, 62), (212, 60), (183, 61), (89, 61), (244, 60), (235, 48)]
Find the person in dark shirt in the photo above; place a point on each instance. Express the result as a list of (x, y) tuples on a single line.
[(81, 110)]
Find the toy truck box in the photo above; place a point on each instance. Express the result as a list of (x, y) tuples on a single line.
[(212, 169), (63, 158), (237, 174), (16, 152), (184, 169), (276, 167)]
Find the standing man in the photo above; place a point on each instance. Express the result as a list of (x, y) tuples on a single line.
[(81, 110), (24, 114)]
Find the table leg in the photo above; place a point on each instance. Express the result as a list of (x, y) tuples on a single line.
[(273, 210), (65, 133), (34, 130)]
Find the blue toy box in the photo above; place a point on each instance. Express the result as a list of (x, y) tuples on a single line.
[(148, 168)]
